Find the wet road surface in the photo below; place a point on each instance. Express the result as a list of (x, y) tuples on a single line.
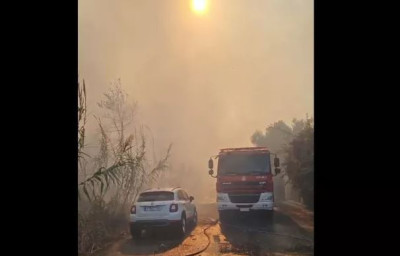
[(290, 232)]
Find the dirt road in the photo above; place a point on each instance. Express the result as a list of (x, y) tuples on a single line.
[(289, 233)]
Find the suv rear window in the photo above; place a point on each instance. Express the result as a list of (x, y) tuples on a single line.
[(156, 196)]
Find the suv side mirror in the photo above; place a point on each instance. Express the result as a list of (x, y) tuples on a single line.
[(276, 162), (191, 198), (210, 164)]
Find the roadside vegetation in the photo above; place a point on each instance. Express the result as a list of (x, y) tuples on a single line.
[(295, 146), (109, 181)]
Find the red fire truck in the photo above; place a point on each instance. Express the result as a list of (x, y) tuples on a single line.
[(244, 180)]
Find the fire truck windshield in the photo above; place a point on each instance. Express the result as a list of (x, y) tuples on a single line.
[(243, 164)]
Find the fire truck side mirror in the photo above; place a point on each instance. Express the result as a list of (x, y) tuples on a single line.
[(277, 171), (210, 164), (211, 172), (276, 162)]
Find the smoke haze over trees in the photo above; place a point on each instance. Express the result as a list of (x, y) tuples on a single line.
[(203, 83), (294, 145), (299, 163)]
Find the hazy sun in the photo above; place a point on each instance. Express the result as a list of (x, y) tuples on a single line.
[(199, 5)]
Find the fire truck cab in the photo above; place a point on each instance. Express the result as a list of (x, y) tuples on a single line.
[(244, 180)]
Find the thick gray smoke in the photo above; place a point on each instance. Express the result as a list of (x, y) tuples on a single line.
[(202, 82)]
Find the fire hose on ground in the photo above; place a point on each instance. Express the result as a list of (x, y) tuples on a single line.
[(213, 222)]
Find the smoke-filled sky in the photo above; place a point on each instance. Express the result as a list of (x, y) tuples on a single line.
[(202, 81)]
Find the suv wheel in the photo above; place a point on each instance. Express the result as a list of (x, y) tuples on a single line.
[(194, 218), (182, 226)]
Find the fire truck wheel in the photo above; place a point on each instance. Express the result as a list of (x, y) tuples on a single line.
[(269, 215), (223, 216), (135, 233)]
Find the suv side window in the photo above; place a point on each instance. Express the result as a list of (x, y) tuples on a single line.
[(186, 195), (181, 196)]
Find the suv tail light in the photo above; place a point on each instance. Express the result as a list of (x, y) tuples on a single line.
[(173, 208), (133, 209)]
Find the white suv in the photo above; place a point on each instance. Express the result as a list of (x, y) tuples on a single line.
[(169, 207)]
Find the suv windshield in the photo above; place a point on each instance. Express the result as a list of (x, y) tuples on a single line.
[(156, 196), (243, 164)]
